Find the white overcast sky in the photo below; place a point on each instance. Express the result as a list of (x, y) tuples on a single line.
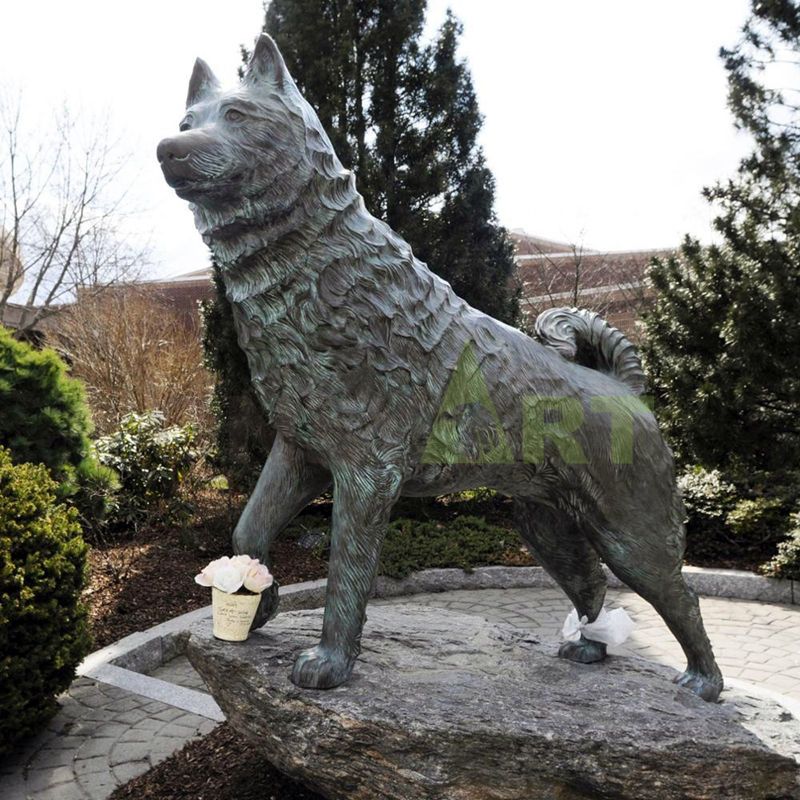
[(604, 118)]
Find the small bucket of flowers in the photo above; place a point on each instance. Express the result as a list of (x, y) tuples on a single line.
[(236, 585)]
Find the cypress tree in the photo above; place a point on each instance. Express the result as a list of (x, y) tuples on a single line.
[(467, 245), (723, 340)]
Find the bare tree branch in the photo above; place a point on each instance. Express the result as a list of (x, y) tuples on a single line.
[(135, 352), (60, 208)]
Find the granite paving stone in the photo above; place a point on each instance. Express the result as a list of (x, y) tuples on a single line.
[(100, 738)]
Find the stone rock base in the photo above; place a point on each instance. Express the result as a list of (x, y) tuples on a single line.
[(447, 706)]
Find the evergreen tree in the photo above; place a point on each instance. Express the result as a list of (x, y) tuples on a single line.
[(475, 254), (723, 340), (404, 116), (243, 435)]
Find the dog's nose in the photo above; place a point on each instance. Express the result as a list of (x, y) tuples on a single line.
[(170, 149)]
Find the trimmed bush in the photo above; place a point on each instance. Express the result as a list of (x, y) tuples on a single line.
[(151, 461), (43, 627), (736, 519), (45, 420), (466, 542), (707, 494), (709, 498), (758, 519)]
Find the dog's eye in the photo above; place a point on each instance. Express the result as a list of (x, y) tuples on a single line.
[(184, 126), (232, 115)]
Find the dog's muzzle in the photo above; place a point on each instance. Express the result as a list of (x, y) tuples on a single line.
[(174, 155)]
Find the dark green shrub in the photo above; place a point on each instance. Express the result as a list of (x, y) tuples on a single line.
[(411, 545), (758, 519), (478, 502), (95, 496), (244, 437), (43, 628), (786, 564), (151, 461), (466, 542), (709, 498), (44, 419)]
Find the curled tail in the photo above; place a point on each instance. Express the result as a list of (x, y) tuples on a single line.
[(587, 339)]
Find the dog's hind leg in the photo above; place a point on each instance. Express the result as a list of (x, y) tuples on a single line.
[(560, 545), (649, 562)]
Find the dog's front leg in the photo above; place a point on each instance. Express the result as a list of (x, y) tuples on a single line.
[(362, 501), (288, 483)]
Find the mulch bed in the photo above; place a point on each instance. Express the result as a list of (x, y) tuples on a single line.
[(220, 766)]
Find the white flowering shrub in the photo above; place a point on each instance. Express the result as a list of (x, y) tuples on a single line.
[(151, 461), (786, 564), (706, 493)]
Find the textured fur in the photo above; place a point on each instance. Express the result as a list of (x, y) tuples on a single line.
[(353, 345)]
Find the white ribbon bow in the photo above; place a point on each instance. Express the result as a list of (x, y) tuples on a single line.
[(610, 627)]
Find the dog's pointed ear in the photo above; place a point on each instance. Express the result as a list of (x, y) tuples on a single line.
[(266, 63), (202, 83)]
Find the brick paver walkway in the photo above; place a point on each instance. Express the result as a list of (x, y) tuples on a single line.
[(101, 738), (104, 736)]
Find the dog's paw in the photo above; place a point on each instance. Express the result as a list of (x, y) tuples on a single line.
[(321, 668), (584, 651), (705, 687), (267, 606)]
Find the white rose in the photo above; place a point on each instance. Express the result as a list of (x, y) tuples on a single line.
[(258, 578), (206, 577), (228, 578)]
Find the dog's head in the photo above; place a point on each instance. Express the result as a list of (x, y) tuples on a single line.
[(236, 145)]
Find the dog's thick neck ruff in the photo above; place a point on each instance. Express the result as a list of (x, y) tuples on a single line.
[(310, 217)]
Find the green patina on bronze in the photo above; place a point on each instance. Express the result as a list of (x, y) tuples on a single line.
[(352, 345)]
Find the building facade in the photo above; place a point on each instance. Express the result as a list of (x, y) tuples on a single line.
[(614, 284)]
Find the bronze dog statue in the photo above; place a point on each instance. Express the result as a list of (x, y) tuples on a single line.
[(380, 382)]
